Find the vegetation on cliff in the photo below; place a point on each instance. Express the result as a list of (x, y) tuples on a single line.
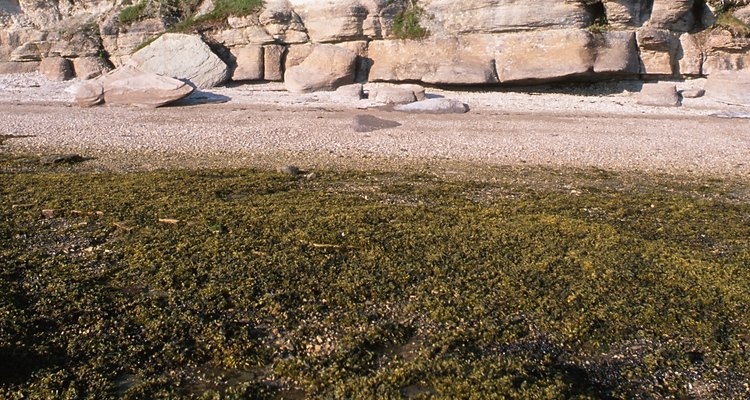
[(407, 23), (181, 13), (249, 284)]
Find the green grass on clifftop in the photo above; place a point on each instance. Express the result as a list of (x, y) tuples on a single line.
[(250, 284)]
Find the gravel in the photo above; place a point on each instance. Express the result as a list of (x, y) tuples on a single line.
[(596, 126)]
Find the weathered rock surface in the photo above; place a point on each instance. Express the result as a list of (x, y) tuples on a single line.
[(353, 92), (659, 48), (392, 95), (659, 95), (544, 56), (435, 106), (249, 63), (89, 67), (482, 16), (411, 60), (675, 15), (273, 56), (470, 42), (56, 68), (341, 20), (326, 68), (132, 86), (182, 56), (15, 67), (731, 87), (90, 94), (616, 53)]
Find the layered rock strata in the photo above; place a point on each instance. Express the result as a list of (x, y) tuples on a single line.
[(470, 42)]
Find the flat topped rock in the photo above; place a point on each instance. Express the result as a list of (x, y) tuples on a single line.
[(659, 95), (130, 85), (435, 106)]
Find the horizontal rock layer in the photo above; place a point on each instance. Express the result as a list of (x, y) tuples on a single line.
[(470, 42)]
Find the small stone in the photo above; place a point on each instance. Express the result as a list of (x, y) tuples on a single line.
[(353, 92), (289, 170), (49, 213), (435, 106), (693, 93)]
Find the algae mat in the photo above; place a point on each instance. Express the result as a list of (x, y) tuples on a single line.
[(251, 284)]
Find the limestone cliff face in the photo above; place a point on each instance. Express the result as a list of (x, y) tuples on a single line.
[(469, 41)]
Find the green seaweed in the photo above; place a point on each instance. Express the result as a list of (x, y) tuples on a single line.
[(254, 284)]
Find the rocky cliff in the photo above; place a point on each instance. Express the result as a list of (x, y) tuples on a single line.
[(466, 42)]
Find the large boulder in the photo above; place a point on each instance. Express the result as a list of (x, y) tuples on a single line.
[(182, 56), (132, 86), (659, 95), (731, 87), (89, 94), (89, 67), (326, 68), (56, 68)]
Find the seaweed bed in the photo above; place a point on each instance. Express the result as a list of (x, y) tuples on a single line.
[(528, 284)]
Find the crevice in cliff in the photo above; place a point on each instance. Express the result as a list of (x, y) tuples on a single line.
[(646, 9), (598, 13)]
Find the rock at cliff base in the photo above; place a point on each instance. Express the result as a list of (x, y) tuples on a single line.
[(249, 63), (432, 61), (544, 56), (692, 93), (89, 67), (18, 67), (435, 106), (392, 95), (353, 92), (89, 94), (659, 95), (326, 68), (730, 87), (56, 68), (132, 86), (273, 56), (182, 56)]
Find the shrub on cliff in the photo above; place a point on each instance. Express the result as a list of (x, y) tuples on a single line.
[(407, 24)]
